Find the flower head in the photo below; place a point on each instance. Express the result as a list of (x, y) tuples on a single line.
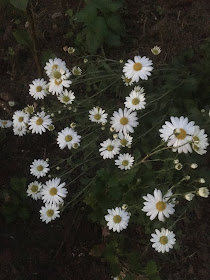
[(124, 161), (117, 219), (199, 141), (156, 50), (39, 168), (54, 64), (125, 139), (39, 123), (109, 148), (49, 212), (163, 240), (140, 68), (203, 192), (127, 81), (189, 196), (158, 205), (20, 119), (135, 101), (5, 123), (34, 190), (98, 115), (66, 97), (67, 138), (38, 89)]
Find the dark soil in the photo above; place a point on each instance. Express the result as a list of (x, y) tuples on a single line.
[(33, 250)]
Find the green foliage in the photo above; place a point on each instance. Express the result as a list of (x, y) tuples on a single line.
[(20, 4), (101, 24), (15, 203), (22, 38), (151, 271)]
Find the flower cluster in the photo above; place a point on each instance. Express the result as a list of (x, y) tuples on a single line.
[(52, 192)]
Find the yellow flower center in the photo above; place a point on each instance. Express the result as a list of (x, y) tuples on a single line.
[(137, 66), (135, 101), (39, 121), (66, 98), (50, 212), (127, 80), (39, 88), (34, 188), (58, 82), (180, 135), (125, 162), (117, 219), (55, 66), (20, 119), (53, 191), (196, 140), (123, 142), (124, 121), (57, 75), (163, 240), (68, 138), (97, 116), (160, 206), (110, 148), (40, 168), (4, 122)]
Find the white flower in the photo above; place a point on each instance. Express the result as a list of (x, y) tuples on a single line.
[(139, 68), (66, 97), (176, 161), (77, 71), (54, 64), (39, 123), (124, 161), (53, 191), (67, 138), (20, 119), (20, 131), (135, 101), (178, 166), (203, 192), (98, 115), (117, 219), (139, 89), (49, 212), (189, 196), (59, 81), (199, 141), (178, 133), (39, 168), (163, 240), (5, 123), (124, 120), (202, 181), (156, 50), (158, 205), (34, 190), (194, 165), (109, 148), (125, 139), (127, 81), (38, 89), (11, 103)]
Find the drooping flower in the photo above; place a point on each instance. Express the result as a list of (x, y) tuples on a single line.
[(125, 139), (163, 240), (5, 123), (199, 141), (117, 219), (140, 68), (203, 192)]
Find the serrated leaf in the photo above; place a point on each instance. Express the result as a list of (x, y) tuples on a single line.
[(20, 4)]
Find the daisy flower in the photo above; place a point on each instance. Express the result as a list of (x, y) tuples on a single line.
[(178, 133), (20, 119), (199, 141), (139, 89), (163, 240), (158, 205), (49, 212), (117, 219), (203, 192), (29, 109), (20, 131), (77, 71), (54, 64), (59, 81), (53, 191), (97, 115), (124, 161), (109, 148), (66, 97), (67, 138), (38, 89), (127, 81), (125, 139), (5, 123), (39, 123), (135, 101), (124, 120), (140, 68), (156, 50), (34, 190), (39, 168), (189, 196)]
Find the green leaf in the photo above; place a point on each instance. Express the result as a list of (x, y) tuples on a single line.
[(151, 270), (22, 38), (20, 4), (46, 55)]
